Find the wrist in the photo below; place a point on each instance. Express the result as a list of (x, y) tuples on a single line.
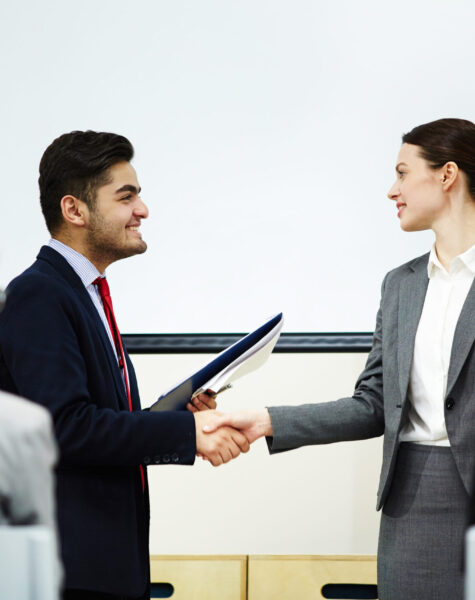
[(266, 423)]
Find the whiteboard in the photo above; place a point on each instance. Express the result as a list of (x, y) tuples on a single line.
[(266, 133)]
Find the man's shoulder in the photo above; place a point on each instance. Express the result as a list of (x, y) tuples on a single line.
[(40, 278), (20, 415), (26, 429), (42, 292), (27, 449)]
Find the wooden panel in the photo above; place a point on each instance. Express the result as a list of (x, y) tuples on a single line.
[(202, 577), (302, 577)]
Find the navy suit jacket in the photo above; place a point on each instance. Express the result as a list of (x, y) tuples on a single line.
[(55, 351)]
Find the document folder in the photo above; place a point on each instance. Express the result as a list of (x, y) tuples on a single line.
[(244, 356)]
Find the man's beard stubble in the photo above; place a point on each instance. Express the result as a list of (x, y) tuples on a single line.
[(103, 245)]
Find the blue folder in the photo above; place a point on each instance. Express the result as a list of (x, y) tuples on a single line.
[(178, 397)]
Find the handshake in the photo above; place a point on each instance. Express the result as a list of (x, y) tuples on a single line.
[(222, 437)]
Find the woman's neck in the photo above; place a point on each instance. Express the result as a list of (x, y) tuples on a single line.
[(455, 233)]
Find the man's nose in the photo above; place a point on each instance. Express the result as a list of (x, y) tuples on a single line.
[(141, 209)]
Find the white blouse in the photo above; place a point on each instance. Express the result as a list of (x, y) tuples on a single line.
[(446, 294)]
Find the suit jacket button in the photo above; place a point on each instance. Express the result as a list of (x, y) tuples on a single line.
[(156, 459), (175, 457), (449, 403), (166, 458), (146, 460)]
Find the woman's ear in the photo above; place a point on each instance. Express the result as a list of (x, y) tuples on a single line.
[(448, 175)]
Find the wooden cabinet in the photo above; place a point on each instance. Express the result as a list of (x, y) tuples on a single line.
[(304, 577), (263, 577), (201, 577)]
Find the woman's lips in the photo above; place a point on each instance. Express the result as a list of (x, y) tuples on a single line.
[(400, 207)]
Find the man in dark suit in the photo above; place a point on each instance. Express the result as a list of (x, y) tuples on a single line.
[(59, 346)]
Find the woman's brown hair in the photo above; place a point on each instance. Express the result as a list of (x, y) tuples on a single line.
[(447, 140)]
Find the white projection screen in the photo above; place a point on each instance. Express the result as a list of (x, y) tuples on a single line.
[(266, 134)]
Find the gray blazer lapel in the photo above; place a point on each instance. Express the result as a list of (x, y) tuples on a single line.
[(412, 292), (464, 337)]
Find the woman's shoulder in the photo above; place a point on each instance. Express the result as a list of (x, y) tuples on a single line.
[(417, 266), (414, 265)]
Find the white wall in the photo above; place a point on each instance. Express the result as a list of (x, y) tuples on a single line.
[(266, 135), (314, 500)]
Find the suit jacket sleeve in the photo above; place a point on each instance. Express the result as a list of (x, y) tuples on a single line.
[(358, 417), (51, 353)]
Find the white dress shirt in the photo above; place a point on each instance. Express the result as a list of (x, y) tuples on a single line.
[(446, 294)]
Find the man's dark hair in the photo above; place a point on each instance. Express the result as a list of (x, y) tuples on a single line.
[(77, 163), (447, 140)]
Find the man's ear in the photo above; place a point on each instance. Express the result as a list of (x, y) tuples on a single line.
[(75, 212), (448, 175)]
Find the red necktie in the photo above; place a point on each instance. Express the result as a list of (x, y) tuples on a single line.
[(104, 292)]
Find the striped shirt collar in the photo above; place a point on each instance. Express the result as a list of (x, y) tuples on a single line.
[(83, 267)]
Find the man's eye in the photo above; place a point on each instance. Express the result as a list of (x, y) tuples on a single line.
[(128, 197)]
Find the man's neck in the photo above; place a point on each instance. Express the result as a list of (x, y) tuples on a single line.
[(78, 246)]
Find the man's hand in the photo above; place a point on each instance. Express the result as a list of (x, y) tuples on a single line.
[(204, 401), (220, 446), (252, 423)]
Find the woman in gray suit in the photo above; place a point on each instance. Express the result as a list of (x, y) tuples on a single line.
[(418, 385)]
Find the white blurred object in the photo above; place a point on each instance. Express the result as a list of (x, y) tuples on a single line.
[(29, 555), (28, 568), (470, 564)]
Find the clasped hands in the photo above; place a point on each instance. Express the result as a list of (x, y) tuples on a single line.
[(221, 437)]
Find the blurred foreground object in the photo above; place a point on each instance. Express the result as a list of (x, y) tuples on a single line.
[(28, 537)]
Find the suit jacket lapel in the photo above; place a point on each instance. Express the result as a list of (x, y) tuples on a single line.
[(464, 338), (68, 273), (412, 292), (111, 357)]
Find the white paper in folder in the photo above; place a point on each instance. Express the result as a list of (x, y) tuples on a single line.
[(251, 360), (244, 356)]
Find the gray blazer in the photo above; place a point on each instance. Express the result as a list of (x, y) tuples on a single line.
[(379, 403)]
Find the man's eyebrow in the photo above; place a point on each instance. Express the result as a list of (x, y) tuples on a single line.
[(400, 165), (129, 188)]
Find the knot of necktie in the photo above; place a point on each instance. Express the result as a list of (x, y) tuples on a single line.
[(105, 294), (102, 286)]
